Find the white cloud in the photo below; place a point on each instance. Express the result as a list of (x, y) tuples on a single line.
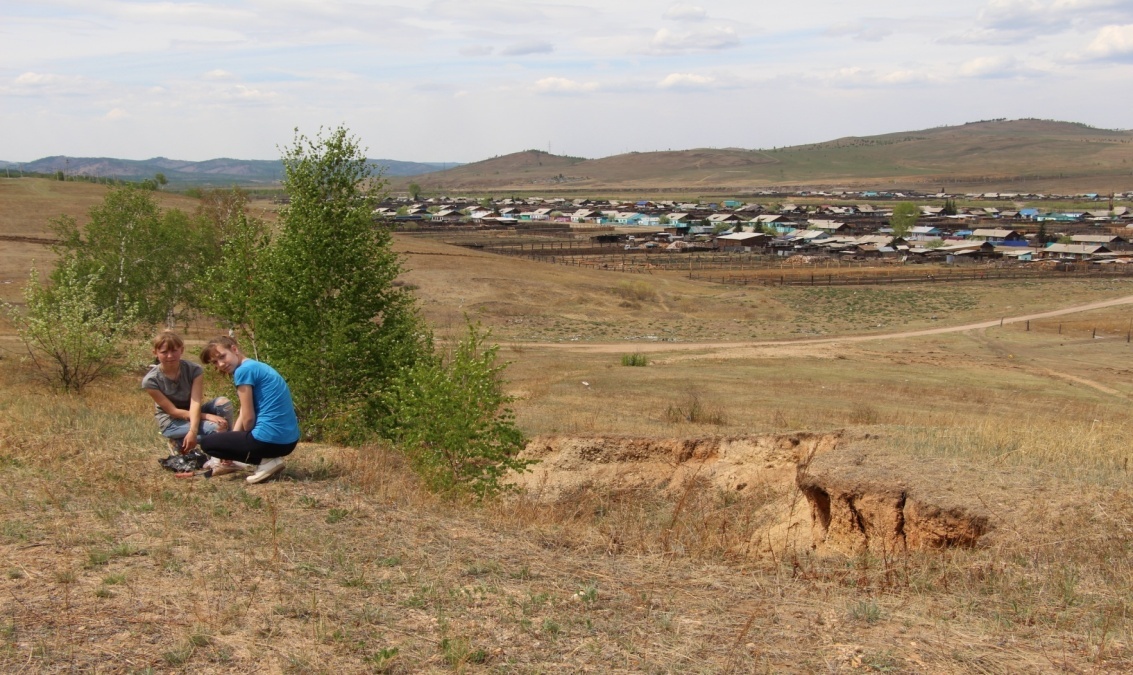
[(686, 81), (33, 83), (219, 74), (115, 114), (562, 85), (246, 94), (685, 13), (475, 50), (871, 31), (37, 79), (993, 67), (904, 77), (1112, 43), (856, 77), (1002, 22), (527, 48), (717, 37)]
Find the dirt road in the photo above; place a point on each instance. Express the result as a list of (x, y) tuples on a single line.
[(619, 347)]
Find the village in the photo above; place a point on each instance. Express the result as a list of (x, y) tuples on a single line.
[(948, 234)]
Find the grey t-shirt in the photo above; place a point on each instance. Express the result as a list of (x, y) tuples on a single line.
[(178, 391)]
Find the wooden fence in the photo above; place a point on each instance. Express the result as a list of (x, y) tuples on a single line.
[(903, 276)]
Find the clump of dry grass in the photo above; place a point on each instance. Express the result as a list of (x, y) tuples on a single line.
[(634, 291), (692, 409)]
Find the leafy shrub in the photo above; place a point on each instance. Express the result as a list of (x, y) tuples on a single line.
[(69, 338), (451, 418), (635, 359), (326, 313)]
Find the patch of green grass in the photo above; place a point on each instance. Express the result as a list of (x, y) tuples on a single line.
[(459, 651), (636, 359), (867, 611), (382, 659)]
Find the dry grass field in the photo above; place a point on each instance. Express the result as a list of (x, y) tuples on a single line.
[(675, 523)]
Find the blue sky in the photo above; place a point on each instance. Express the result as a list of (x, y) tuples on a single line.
[(464, 80)]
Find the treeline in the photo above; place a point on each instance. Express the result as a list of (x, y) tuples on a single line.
[(156, 183), (316, 298)]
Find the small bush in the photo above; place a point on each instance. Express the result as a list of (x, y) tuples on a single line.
[(635, 359), (70, 339), (451, 418)]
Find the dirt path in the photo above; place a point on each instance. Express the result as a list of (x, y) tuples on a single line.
[(618, 347)]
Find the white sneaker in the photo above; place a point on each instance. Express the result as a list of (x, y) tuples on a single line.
[(266, 470)]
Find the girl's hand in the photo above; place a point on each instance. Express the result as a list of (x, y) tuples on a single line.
[(189, 442)]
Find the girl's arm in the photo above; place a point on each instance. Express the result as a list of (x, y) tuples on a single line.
[(247, 418), (190, 439), (167, 406)]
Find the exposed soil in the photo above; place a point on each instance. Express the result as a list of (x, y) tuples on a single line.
[(826, 492)]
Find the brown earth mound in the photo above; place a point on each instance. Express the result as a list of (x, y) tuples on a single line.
[(853, 504)]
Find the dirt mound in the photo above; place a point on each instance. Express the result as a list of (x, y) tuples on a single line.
[(854, 504)]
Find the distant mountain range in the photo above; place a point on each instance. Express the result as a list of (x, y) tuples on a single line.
[(987, 156), (220, 172)]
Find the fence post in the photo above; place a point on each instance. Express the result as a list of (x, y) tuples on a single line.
[(1028, 325)]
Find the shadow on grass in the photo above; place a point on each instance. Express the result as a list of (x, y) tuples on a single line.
[(316, 471)]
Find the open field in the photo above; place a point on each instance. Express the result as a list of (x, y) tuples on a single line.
[(676, 522)]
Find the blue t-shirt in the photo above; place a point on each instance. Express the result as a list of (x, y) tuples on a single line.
[(271, 401)]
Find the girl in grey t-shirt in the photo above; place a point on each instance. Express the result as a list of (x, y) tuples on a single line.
[(176, 387)]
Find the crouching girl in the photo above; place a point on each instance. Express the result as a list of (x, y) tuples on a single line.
[(176, 387), (266, 428)]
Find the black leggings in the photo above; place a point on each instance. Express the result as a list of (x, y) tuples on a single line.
[(241, 447)]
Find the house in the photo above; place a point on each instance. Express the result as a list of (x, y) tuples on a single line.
[(830, 226), (744, 240), (446, 216), (723, 219), (1110, 241), (999, 236), (964, 251), (1016, 253), (1060, 217), (925, 233), (1071, 251)]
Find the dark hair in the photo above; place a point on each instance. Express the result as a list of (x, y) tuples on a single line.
[(209, 352)]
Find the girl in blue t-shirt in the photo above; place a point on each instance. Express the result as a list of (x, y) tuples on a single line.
[(266, 428)]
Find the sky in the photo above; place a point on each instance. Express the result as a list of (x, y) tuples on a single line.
[(465, 80)]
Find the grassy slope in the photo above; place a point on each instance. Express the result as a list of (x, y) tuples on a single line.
[(110, 564), (1021, 155)]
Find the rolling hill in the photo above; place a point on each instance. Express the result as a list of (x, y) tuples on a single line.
[(996, 155)]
